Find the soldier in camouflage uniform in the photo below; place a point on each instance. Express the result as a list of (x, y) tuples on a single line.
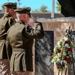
[(20, 37), (5, 22)]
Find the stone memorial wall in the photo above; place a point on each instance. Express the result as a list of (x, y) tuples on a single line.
[(42, 49)]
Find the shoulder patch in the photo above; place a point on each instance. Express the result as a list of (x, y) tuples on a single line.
[(29, 28)]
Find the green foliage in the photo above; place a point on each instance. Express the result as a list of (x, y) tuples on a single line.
[(36, 11), (58, 7), (42, 9)]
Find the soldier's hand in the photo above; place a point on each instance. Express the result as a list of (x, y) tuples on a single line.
[(34, 19)]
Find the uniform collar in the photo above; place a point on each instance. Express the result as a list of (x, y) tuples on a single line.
[(21, 22), (7, 15)]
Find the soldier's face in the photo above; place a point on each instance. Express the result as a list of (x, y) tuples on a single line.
[(12, 12), (25, 17)]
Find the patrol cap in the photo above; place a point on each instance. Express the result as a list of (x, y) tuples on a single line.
[(23, 10), (10, 5)]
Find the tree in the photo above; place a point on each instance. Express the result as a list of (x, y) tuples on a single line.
[(42, 9), (36, 11), (58, 7)]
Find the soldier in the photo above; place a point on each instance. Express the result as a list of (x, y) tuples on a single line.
[(20, 37), (5, 22)]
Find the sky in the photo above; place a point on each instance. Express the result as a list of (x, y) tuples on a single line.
[(34, 4)]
